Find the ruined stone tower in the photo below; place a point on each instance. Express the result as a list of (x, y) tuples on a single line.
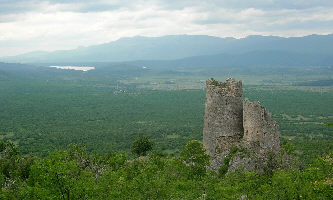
[(223, 123), (231, 122)]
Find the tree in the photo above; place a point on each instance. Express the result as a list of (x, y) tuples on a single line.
[(59, 177), (141, 145), (195, 158)]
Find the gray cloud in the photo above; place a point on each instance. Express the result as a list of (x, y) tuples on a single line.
[(19, 6), (65, 24), (12, 10), (241, 4)]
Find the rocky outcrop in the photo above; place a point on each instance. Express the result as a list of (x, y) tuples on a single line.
[(239, 127)]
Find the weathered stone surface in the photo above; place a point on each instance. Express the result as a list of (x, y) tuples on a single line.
[(242, 161), (260, 128), (224, 114), (231, 122)]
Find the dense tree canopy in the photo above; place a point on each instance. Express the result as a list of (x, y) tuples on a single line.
[(76, 174)]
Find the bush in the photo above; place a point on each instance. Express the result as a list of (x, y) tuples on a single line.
[(141, 145), (195, 158)]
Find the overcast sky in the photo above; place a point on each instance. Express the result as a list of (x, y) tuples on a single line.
[(29, 25)]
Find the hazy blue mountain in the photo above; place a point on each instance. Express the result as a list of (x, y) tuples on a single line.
[(308, 50), (264, 58), (136, 48)]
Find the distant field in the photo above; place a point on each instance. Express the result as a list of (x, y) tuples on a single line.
[(194, 78)]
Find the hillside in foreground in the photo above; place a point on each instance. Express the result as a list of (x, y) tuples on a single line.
[(76, 174)]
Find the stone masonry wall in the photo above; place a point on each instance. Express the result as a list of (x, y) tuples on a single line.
[(223, 115), (259, 127)]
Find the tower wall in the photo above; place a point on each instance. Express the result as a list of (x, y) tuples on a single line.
[(259, 127), (223, 122)]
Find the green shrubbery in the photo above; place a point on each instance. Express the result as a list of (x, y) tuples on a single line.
[(216, 83), (141, 145), (76, 174)]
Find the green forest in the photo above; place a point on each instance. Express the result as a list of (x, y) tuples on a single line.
[(40, 116), (71, 135)]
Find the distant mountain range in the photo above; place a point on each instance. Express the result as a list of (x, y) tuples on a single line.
[(198, 50)]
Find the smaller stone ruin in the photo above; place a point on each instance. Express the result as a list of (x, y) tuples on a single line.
[(238, 133)]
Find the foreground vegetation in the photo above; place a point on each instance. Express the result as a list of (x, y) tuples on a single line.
[(76, 174)]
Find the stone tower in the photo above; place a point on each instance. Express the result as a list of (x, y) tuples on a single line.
[(223, 123), (231, 122)]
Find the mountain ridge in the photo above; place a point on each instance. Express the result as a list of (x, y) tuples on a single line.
[(177, 47)]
